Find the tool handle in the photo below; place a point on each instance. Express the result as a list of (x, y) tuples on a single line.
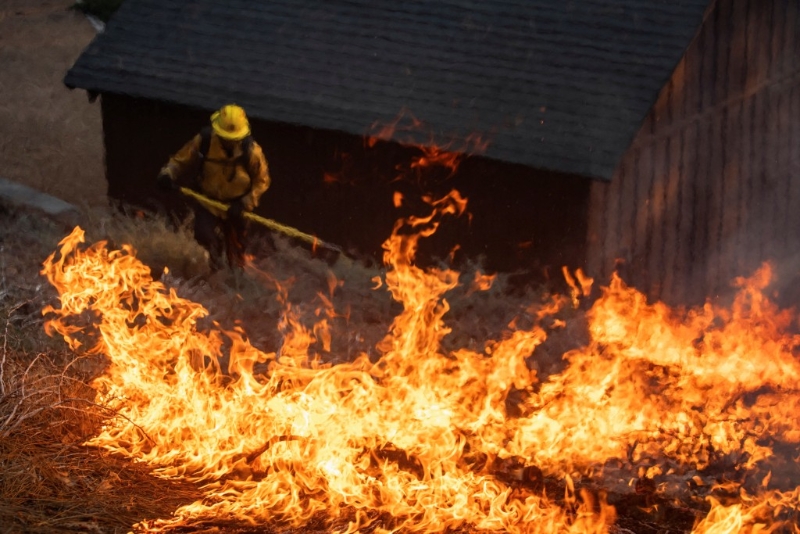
[(269, 223)]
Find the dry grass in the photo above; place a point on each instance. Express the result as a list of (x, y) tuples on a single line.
[(51, 138), (50, 482)]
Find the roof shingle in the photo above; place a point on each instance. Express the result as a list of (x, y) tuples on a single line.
[(555, 84)]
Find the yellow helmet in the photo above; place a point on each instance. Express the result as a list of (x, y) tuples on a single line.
[(230, 122)]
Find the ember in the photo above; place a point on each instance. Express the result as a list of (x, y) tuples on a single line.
[(662, 409)]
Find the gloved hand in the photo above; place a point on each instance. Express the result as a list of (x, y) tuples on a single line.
[(166, 183), (236, 209)]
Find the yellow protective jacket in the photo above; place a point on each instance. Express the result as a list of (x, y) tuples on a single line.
[(221, 176)]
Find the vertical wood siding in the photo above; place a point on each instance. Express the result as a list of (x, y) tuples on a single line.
[(710, 187)]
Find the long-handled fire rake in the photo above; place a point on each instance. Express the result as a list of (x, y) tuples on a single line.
[(268, 223)]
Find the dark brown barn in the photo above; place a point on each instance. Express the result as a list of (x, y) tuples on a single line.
[(546, 100)]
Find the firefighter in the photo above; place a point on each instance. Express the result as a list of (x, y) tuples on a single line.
[(224, 163)]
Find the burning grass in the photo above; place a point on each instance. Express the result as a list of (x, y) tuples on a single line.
[(51, 481), (312, 400), (332, 396)]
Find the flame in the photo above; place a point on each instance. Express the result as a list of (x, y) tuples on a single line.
[(580, 284), (482, 282), (408, 130), (422, 440), (666, 384), (759, 514), (436, 156)]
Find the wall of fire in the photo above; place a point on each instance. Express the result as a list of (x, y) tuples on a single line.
[(710, 187)]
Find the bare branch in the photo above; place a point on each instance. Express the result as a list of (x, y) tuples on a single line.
[(114, 413)]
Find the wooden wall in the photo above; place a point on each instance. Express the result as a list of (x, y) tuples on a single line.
[(710, 186)]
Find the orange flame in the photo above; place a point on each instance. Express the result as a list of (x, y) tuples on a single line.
[(580, 284), (416, 438), (409, 130)]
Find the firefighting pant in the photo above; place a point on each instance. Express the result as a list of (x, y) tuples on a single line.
[(221, 236)]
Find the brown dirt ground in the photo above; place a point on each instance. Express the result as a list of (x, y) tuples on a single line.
[(50, 137)]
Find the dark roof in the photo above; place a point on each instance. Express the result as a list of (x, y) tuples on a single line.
[(556, 84)]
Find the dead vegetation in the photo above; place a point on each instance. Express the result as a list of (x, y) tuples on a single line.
[(49, 481)]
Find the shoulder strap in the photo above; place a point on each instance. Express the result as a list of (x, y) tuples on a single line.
[(205, 141), (247, 148)]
